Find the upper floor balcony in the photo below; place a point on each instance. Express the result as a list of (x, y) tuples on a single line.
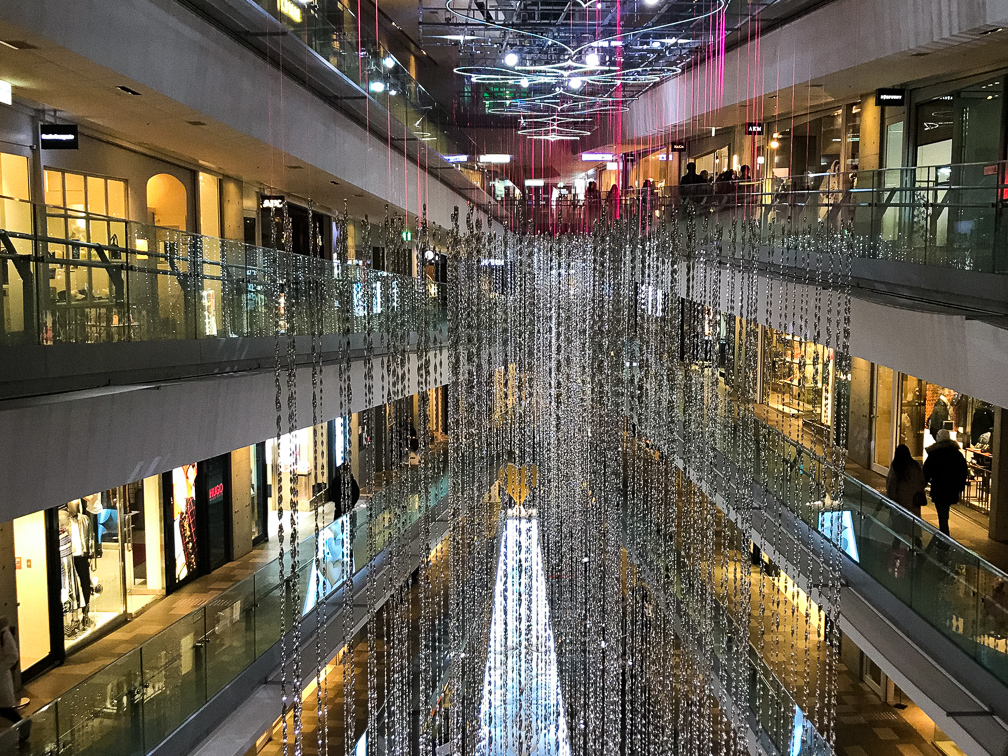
[(203, 301)]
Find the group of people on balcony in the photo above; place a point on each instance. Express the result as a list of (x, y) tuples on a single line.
[(729, 187)]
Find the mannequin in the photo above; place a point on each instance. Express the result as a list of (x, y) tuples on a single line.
[(81, 543)]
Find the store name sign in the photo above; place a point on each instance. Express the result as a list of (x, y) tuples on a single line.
[(216, 492), (895, 97), (272, 202), (59, 136), (754, 128)]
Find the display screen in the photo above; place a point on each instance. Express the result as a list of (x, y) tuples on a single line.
[(184, 519)]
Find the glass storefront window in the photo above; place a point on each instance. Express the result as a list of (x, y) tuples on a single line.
[(183, 487), (852, 137), (882, 432), (296, 455), (793, 395), (15, 215)]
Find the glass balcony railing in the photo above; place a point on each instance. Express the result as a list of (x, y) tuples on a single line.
[(771, 707), (148, 283), (135, 703), (956, 591), (334, 31), (950, 215)]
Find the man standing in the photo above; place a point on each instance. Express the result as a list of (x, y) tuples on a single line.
[(945, 469)]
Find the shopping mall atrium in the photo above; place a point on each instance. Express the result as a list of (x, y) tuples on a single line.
[(503, 377)]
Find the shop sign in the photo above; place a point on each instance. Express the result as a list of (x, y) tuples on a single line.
[(677, 147), (990, 170), (754, 128), (890, 96), (272, 201), (216, 492), (59, 136)]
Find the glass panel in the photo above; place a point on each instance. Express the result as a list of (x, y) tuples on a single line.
[(116, 198), (74, 191), (174, 676), (54, 188), (231, 635), (883, 415), (105, 713), (32, 588), (14, 176), (96, 196)]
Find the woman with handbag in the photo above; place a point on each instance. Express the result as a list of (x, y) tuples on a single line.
[(905, 483)]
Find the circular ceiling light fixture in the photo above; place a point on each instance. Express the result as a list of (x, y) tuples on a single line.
[(511, 59), (592, 60), (576, 83), (524, 83), (389, 61), (377, 87)]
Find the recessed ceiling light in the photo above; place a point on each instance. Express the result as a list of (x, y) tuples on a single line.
[(524, 83), (127, 90), (511, 59), (389, 61), (377, 86), (575, 83), (592, 59)]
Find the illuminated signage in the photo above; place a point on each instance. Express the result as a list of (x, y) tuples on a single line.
[(612, 165), (272, 202), (6, 96), (455, 158), (894, 97), (407, 235), (754, 128), (58, 136), (292, 10), (535, 182), (216, 492), (596, 157), (495, 159)]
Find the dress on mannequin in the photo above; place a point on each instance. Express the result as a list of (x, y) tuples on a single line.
[(80, 547)]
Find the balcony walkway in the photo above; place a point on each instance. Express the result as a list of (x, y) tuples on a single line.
[(158, 615), (967, 525)]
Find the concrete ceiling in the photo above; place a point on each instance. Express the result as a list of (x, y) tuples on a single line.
[(51, 78)]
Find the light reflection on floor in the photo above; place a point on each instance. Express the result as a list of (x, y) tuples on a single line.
[(522, 710)]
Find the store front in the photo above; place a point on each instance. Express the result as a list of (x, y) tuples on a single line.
[(797, 385), (84, 568), (911, 411)]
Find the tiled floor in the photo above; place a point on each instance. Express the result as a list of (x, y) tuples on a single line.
[(868, 727)]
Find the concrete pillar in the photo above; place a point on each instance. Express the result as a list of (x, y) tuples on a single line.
[(998, 526), (869, 147), (232, 210), (242, 515)]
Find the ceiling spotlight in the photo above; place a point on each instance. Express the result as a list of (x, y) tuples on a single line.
[(650, 2), (575, 83), (511, 59), (389, 61), (524, 83), (392, 93), (592, 60), (774, 144), (377, 87)]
